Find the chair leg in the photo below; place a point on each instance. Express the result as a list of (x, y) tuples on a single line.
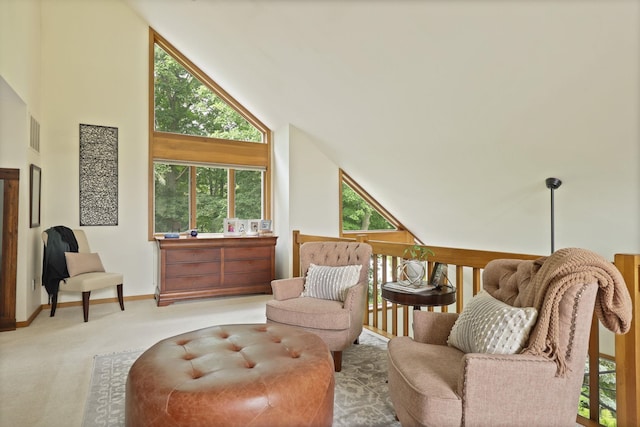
[(85, 305), (54, 304), (337, 361), (120, 297)]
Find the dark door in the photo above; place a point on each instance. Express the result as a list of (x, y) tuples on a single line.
[(9, 194)]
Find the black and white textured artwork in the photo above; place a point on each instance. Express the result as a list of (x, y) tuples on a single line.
[(98, 175)]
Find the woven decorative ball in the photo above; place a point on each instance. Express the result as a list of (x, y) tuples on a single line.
[(411, 272)]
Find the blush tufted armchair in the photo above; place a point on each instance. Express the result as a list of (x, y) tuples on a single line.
[(434, 383), (337, 321)]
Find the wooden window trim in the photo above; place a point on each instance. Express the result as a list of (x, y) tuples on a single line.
[(169, 147)]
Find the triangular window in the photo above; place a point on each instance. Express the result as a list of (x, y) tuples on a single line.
[(358, 214), (359, 211), (185, 105)]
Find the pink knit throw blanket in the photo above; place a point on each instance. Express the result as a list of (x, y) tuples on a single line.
[(542, 284)]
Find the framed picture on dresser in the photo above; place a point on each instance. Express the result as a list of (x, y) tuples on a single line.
[(231, 226)]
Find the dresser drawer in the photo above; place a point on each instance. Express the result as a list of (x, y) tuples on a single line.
[(193, 255), (253, 278), (259, 252), (192, 283), (193, 269)]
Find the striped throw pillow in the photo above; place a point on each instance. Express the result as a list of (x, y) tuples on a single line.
[(331, 283)]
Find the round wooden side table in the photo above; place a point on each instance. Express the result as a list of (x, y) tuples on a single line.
[(429, 298)]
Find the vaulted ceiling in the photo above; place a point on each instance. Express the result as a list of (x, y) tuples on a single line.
[(422, 101)]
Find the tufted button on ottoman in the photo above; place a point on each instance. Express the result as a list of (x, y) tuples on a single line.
[(233, 375)]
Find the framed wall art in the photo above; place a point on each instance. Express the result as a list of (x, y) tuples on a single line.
[(35, 185), (98, 175)]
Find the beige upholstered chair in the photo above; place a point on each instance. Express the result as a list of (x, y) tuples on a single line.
[(432, 383), (338, 322), (87, 274)]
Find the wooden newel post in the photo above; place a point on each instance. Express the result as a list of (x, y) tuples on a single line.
[(627, 348), (296, 253)]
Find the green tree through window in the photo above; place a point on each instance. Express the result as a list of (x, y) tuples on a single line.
[(248, 194), (211, 199), (171, 197), (183, 104), (358, 215)]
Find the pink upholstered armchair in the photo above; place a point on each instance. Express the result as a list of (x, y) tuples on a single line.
[(329, 298), (432, 382)]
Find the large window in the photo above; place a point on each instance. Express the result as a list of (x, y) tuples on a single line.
[(176, 199), (209, 156)]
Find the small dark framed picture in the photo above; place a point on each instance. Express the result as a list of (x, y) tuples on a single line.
[(438, 274), (35, 182)]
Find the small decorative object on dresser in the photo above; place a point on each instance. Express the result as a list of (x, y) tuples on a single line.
[(231, 227), (265, 227), (254, 227)]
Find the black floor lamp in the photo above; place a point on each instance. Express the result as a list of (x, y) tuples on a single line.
[(552, 184)]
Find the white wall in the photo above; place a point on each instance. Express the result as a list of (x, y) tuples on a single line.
[(306, 198), (20, 60), (95, 58), (314, 185), (281, 201), (20, 66), (508, 94)]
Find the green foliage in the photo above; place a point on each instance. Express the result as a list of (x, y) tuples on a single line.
[(418, 252), (248, 194), (211, 199), (171, 197), (607, 398), (358, 215), (183, 104)]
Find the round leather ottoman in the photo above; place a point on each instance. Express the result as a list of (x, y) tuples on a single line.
[(233, 375)]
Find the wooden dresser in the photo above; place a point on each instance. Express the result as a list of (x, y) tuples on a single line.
[(214, 265)]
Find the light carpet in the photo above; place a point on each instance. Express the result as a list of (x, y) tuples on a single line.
[(361, 393)]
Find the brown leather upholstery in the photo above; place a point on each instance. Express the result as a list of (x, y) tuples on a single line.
[(233, 375)]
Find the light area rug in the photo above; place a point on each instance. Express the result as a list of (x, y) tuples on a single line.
[(361, 393)]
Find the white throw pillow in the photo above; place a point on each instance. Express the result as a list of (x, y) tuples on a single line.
[(488, 325), (331, 283)]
